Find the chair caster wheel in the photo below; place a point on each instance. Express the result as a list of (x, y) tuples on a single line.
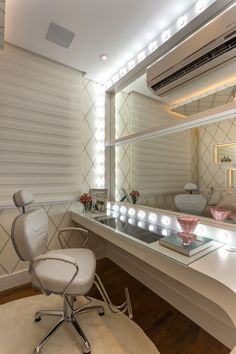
[(37, 350), (37, 319), (101, 313)]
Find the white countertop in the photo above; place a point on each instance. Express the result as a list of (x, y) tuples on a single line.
[(212, 275)]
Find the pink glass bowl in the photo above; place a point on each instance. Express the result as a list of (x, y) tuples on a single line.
[(220, 214), (187, 223), (186, 238)]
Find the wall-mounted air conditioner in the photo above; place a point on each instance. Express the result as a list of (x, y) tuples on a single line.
[(209, 48)]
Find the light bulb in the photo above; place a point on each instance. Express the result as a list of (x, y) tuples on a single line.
[(152, 46), (123, 71), (165, 220), (123, 209), (131, 64), (115, 207), (131, 211), (165, 35), (200, 6), (181, 22), (152, 217), (164, 232), (115, 78), (141, 56), (141, 214)]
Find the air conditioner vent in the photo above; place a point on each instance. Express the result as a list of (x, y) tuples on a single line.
[(202, 60)]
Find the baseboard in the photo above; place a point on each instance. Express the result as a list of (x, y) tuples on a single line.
[(205, 313), (9, 281)]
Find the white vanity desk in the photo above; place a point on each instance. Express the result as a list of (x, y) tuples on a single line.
[(212, 275)]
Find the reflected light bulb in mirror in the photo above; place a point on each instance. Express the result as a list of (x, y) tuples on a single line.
[(152, 217), (141, 214), (115, 207), (164, 232), (151, 227)]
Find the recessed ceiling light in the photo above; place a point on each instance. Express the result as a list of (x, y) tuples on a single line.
[(103, 56)]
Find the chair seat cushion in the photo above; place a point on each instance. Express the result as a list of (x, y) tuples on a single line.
[(54, 275)]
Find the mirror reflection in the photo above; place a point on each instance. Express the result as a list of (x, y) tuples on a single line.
[(224, 153), (179, 171)]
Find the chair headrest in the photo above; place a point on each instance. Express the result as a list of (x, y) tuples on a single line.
[(22, 198), (190, 187)]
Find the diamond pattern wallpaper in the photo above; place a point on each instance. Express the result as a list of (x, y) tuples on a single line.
[(214, 175)]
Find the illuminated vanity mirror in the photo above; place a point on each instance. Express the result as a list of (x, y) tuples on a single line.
[(224, 153), (231, 178), (160, 167)]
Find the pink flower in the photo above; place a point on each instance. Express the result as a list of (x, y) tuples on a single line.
[(134, 194), (85, 198)]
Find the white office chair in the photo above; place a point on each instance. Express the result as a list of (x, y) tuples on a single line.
[(66, 272)]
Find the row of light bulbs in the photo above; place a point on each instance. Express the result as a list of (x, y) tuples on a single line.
[(151, 217), (141, 214), (141, 224), (100, 137), (151, 47)]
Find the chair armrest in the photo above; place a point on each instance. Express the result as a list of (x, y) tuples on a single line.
[(54, 257), (65, 229)]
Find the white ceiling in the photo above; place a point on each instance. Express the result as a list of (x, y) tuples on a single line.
[(119, 28)]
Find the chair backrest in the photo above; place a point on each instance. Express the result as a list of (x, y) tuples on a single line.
[(29, 232)]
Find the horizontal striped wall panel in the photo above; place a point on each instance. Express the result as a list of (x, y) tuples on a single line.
[(40, 127), (160, 165)]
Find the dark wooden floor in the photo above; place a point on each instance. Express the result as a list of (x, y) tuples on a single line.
[(170, 330)]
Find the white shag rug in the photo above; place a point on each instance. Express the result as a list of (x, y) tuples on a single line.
[(108, 334)]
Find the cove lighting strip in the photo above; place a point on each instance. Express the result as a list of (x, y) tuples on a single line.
[(181, 22), (100, 137), (210, 91)]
